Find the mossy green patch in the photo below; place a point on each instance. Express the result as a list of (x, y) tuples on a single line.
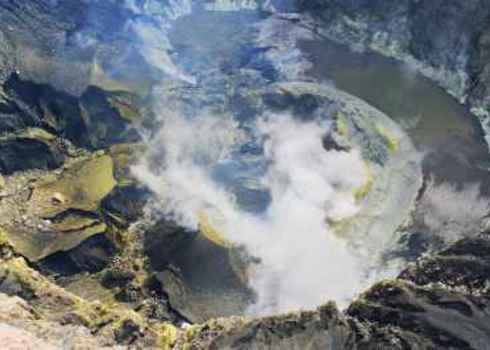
[(124, 155), (391, 140), (340, 227), (341, 124), (81, 186), (124, 104), (4, 238), (68, 240), (29, 282), (199, 336), (167, 336), (108, 318), (30, 133), (39, 134), (211, 233), (362, 191), (88, 287), (63, 208)]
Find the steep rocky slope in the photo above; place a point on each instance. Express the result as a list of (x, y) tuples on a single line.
[(445, 40), (441, 302)]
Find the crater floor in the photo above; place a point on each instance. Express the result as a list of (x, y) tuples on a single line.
[(198, 175)]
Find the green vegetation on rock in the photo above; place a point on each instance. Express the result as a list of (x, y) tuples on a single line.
[(342, 124), (56, 211), (81, 186), (4, 238), (210, 232), (113, 321), (124, 156), (362, 191), (125, 104), (391, 140)]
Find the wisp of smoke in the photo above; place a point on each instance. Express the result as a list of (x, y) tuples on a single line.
[(154, 47), (302, 263), (450, 213)]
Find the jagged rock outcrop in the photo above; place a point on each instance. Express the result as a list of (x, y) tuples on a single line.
[(427, 307), (440, 302), (97, 119), (38, 312)]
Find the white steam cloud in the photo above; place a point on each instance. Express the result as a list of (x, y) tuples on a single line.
[(302, 263), (451, 213)]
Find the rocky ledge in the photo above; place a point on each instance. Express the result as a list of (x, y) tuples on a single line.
[(440, 302)]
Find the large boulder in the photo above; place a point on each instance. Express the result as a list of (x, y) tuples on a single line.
[(47, 213)]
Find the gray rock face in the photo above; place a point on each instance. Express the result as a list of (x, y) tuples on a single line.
[(35, 155), (439, 303), (443, 305), (441, 34), (446, 40), (35, 30), (96, 120), (325, 328)]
